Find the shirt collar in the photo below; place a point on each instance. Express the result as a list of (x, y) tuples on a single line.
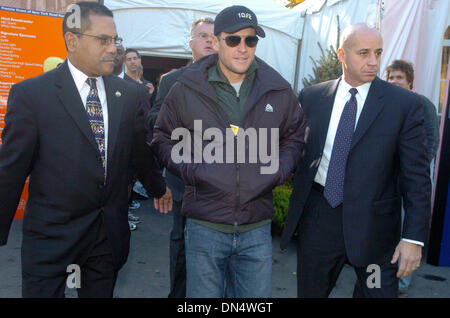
[(80, 78), (363, 89)]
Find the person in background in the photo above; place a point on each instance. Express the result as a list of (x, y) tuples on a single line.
[(201, 33), (151, 88), (133, 64), (401, 73), (118, 70)]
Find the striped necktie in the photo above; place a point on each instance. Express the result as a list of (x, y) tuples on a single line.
[(95, 115)]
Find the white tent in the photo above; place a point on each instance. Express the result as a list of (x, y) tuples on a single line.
[(411, 30), (321, 26), (161, 28)]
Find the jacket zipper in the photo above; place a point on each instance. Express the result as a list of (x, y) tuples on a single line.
[(236, 204), (238, 197)]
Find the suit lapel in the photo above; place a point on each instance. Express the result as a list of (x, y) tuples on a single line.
[(372, 107), (327, 101), (114, 100), (71, 100)]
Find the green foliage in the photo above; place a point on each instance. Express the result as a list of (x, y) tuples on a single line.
[(281, 195), (326, 68)]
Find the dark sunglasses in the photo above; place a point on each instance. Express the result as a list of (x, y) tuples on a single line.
[(234, 40)]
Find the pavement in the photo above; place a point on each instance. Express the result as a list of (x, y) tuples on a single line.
[(146, 273)]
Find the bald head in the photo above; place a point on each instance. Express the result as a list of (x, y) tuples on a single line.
[(360, 54), (353, 33)]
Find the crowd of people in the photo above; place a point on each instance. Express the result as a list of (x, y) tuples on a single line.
[(93, 129)]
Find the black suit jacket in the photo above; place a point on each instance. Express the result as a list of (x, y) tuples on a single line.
[(48, 137), (175, 184), (387, 161)]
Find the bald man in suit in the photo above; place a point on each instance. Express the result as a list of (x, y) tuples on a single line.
[(365, 151)]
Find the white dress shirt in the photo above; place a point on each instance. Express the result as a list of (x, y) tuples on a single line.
[(342, 96), (83, 88)]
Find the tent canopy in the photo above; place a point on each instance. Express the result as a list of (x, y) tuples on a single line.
[(411, 30), (161, 28)]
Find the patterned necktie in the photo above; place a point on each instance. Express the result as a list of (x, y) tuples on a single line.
[(95, 115), (334, 185)]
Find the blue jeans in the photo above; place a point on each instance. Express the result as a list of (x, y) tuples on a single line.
[(177, 256), (228, 265)]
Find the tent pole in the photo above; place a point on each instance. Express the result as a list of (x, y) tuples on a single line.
[(297, 65), (299, 53)]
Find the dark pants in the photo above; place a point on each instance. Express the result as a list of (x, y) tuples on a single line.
[(177, 254), (97, 275), (322, 255)]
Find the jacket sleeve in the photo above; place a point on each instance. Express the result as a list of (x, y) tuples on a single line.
[(415, 181), (19, 146), (142, 157), (163, 89), (292, 138), (431, 127), (169, 120)]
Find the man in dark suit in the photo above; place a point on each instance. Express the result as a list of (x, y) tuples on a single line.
[(200, 43), (133, 63), (365, 151), (145, 104), (75, 130)]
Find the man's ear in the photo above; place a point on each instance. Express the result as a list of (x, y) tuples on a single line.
[(71, 41), (341, 55)]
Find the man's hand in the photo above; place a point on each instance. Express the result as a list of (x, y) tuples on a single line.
[(410, 255), (164, 203), (150, 87)]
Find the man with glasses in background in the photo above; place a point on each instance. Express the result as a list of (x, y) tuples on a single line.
[(201, 33), (75, 130), (229, 205)]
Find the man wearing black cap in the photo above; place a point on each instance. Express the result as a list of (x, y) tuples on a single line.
[(240, 107)]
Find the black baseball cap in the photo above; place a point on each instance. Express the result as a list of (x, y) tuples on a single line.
[(235, 18)]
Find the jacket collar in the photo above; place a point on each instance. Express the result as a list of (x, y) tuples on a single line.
[(372, 107), (266, 78), (215, 74), (70, 98)]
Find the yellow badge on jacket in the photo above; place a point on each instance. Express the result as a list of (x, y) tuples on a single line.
[(235, 129)]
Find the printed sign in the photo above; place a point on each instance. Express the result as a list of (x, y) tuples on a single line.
[(27, 39)]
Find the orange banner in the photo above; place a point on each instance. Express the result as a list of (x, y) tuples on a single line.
[(27, 39)]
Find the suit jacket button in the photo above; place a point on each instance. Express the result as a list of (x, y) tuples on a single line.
[(101, 186)]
